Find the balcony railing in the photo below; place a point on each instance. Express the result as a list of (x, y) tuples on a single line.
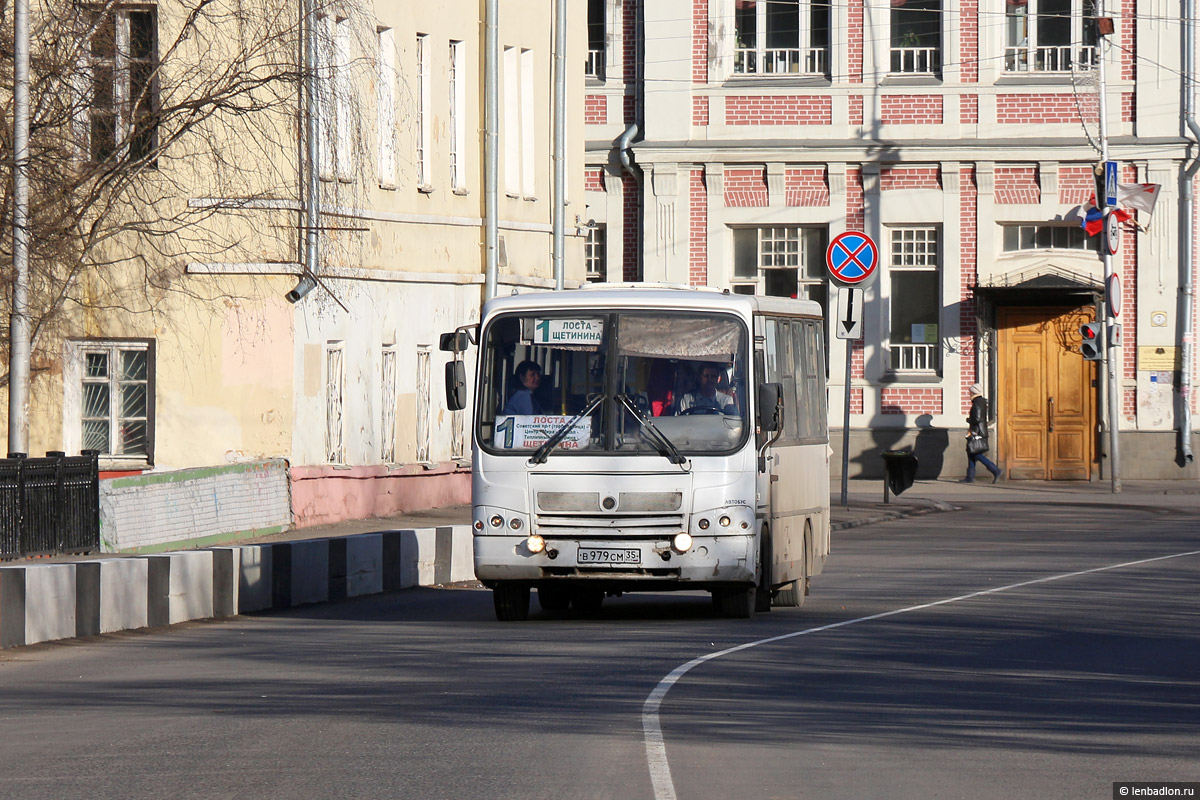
[(914, 357), (780, 61), (595, 64), (1055, 58), (916, 60)]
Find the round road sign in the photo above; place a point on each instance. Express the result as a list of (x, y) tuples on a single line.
[(1112, 232), (1113, 293), (852, 258)]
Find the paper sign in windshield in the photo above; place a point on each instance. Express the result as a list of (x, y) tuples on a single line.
[(567, 331), (530, 431)]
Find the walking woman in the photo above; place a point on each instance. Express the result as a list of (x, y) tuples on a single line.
[(977, 437)]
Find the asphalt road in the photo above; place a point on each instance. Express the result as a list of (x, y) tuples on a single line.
[(897, 679)]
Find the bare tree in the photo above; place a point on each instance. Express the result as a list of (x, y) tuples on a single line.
[(151, 129)]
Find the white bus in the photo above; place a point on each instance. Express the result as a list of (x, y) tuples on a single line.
[(646, 438)]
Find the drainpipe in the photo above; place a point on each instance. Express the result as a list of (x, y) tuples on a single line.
[(1187, 289), (312, 208), (491, 167), (625, 148), (560, 138)]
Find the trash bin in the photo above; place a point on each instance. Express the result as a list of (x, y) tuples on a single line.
[(900, 469)]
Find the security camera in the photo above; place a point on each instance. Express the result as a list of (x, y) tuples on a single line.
[(306, 284)]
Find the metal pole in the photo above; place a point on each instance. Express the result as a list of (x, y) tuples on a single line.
[(1111, 353), (19, 346), (560, 138), (491, 167), (846, 425), (1188, 267)]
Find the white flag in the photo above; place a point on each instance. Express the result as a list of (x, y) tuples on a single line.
[(1138, 196)]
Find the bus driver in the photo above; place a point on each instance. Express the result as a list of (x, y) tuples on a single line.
[(706, 395)]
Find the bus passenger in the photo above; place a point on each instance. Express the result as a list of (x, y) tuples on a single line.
[(706, 395), (529, 378)]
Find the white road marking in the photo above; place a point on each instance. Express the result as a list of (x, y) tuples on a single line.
[(656, 750)]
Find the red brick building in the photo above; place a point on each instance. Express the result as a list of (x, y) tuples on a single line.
[(729, 140)]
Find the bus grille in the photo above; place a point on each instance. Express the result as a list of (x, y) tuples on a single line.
[(587, 526)]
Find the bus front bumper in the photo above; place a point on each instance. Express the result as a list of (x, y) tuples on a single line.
[(715, 560)]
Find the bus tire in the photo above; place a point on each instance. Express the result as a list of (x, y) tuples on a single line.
[(735, 603), (762, 592), (554, 598), (792, 596), (511, 601)]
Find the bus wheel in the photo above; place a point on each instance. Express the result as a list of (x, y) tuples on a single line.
[(735, 603), (762, 592), (587, 602), (554, 598), (511, 601), (793, 595)]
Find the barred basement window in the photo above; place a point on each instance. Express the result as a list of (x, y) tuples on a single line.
[(915, 303), (335, 381), (109, 398)]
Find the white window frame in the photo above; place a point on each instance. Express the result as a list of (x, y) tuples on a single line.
[(528, 128), (424, 116), (74, 381), (511, 123), (1035, 230), (762, 60), (458, 116), (335, 387), (780, 247), (595, 252), (120, 67), (385, 102), (911, 250), (326, 107), (597, 57), (343, 99), (909, 60), (1031, 55)]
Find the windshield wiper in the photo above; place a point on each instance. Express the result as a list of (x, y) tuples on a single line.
[(543, 452), (665, 446)]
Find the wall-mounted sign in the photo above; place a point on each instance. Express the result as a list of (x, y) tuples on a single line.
[(1158, 359)]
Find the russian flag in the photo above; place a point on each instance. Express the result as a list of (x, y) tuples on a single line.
[(1093, 219)]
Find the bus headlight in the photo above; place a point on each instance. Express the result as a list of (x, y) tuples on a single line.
[(496, 520), (682, 542), (515, 523), (535, 544), (702, 524), (724, 521)]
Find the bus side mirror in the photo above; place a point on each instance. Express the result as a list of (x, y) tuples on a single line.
[(454, 342), (770, 406), (456, 385)]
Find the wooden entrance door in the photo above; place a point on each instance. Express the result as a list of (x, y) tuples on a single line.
[(1047, 400)]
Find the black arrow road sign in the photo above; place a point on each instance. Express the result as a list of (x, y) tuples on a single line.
[(849, 316)]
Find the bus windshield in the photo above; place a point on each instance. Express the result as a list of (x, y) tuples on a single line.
[(629, 382)]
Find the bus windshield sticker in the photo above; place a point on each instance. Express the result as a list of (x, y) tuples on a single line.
[(529, 431), (558, 332)]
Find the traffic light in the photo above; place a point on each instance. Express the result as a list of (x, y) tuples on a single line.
[(1092, 346)]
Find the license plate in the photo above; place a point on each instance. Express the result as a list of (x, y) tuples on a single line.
[(609, 555)]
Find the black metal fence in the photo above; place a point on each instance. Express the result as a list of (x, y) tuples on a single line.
[(49, 505)]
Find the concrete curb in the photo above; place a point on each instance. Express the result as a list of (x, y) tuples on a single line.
[(48, 602), (898, 512)]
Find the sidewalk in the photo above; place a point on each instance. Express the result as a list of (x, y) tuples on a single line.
[(865, 504)]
